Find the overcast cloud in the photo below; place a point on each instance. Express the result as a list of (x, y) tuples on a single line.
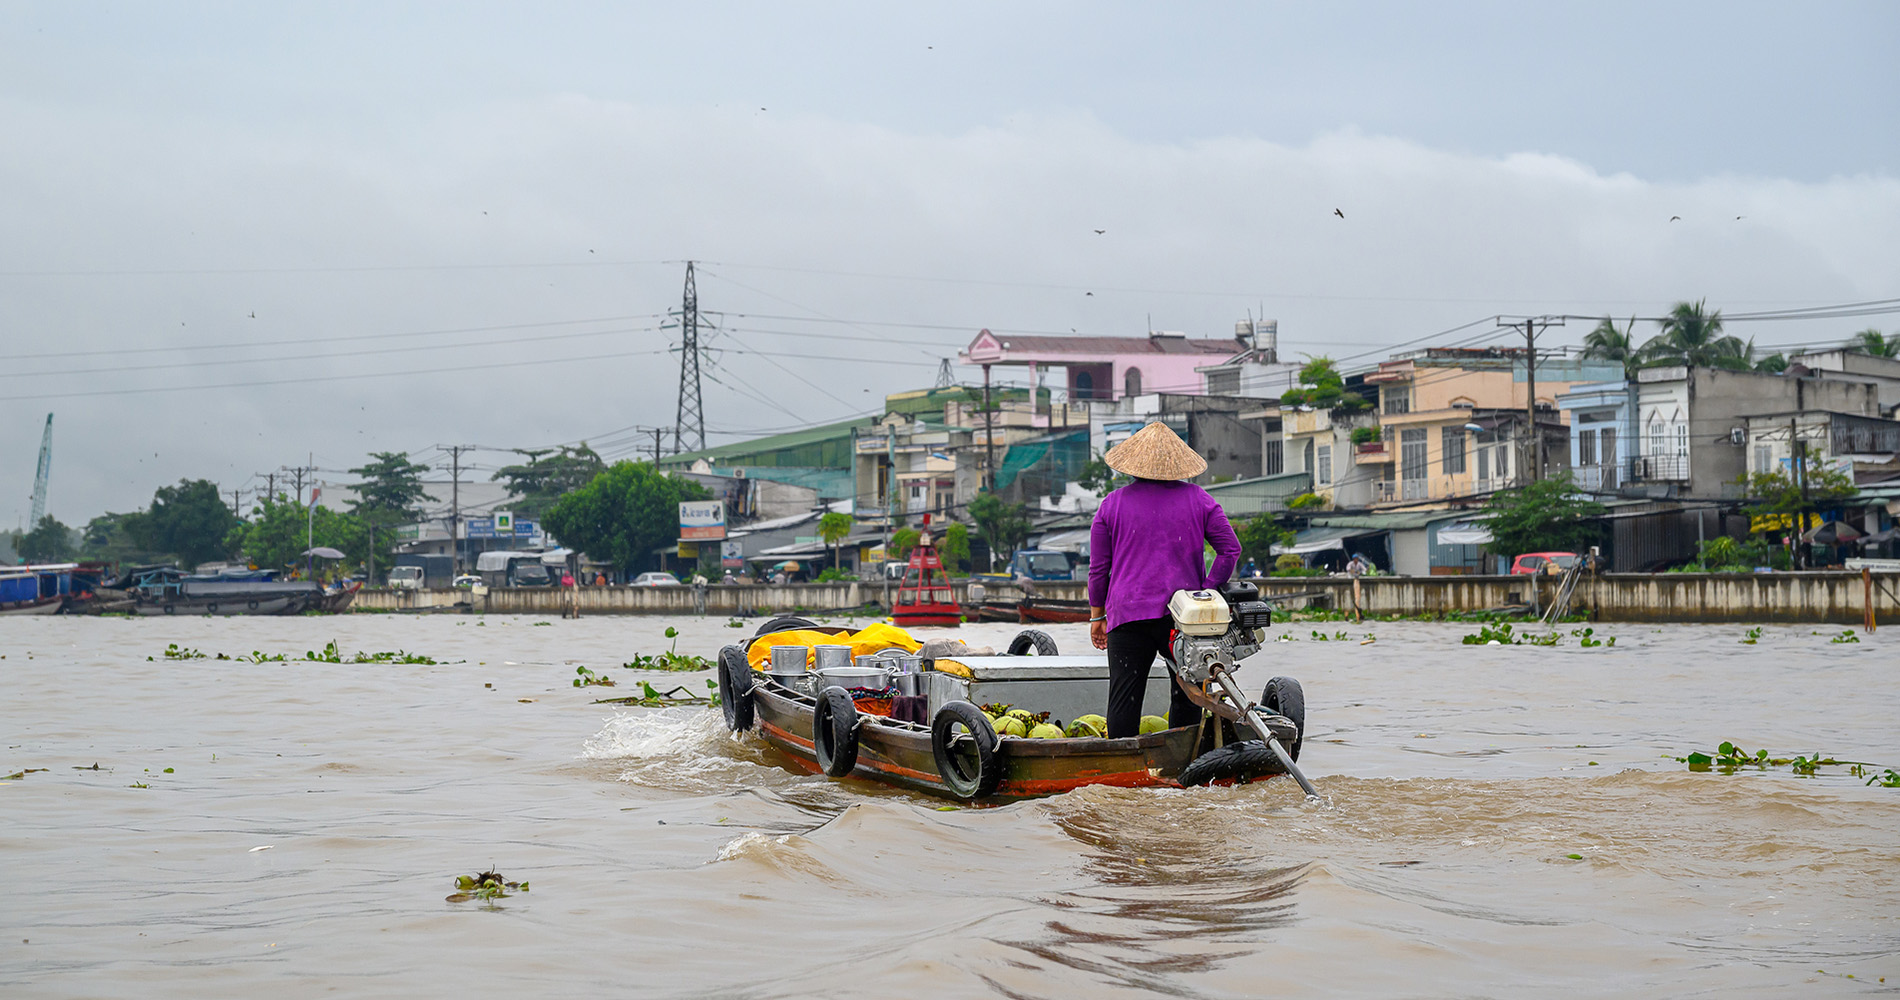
[(276, 217)]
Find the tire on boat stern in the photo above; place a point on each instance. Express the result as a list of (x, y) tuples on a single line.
[(1242, 762), (1032, 639), (784, 623), (1284, 696), (834, 732), (958, 777)]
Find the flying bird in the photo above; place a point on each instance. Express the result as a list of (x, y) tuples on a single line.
[(1088, 293), (1675, 218), (1339, 213), (1740, 218), (1099, 232)]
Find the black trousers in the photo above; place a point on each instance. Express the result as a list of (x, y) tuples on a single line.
[(1132, 647)]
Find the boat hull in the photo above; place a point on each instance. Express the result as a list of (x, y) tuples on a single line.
[(223, 606), (912, 615), (48, 606), (899, 753)]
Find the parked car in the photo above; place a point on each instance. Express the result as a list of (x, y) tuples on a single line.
[(1543, 562), (467, 580), (406, 578), (656, 580)]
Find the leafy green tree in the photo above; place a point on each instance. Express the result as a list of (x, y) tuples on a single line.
[(391, 487), (1780, 491), (1607, 343), (1549, 515), (1098, 478), (1870, 341), (902, 541), (1328, 389), (188, 520), (953, 548), (549, 475), (1307, 501), (49, 541), (1002, 524), (107, 539), (280, 530), (623, 514), (832, 528), (1259, 534)]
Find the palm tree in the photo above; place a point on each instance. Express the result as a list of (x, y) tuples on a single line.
[(1869, 341), (1693, 336), (1607, 343)]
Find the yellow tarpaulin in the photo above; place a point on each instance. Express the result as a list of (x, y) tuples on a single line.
[(870, 639)]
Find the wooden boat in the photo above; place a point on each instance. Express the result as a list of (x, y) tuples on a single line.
[(169, 591), (1040, 610), (959, 762), (35, 590)]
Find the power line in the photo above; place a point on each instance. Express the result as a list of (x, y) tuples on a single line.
[(322, 340)]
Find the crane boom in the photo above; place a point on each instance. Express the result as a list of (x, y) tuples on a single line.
[(40, 477)]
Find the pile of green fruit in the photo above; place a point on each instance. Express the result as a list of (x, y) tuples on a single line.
[(1020, 722)]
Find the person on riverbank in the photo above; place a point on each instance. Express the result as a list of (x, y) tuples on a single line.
[(1146, 543)]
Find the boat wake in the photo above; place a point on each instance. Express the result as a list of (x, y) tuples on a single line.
[(683, 750)]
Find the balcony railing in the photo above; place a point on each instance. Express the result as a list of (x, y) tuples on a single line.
[(1389, 490), (1659, 469), (1600, 478), (1372, 453)]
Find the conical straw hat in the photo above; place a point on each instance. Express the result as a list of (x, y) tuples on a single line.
[(1155, 452)]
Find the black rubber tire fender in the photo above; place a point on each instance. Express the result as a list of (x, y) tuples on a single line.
[(1284, 696), (834, 731), (735, 689), (168, 609), (211, 608), (956, 778), (1236, 761), (1032, 638), (784, 623), (252, 605)]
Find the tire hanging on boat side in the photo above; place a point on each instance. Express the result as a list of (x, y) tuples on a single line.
[(1284, 696), (1031, 638), (834, 731), (784, 623), (735, 689), (1236, 761), (956, 776)]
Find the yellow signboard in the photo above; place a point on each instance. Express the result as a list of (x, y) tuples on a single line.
[(1780, 522)]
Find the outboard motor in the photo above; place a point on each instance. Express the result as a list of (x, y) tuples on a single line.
[(1213, 631)]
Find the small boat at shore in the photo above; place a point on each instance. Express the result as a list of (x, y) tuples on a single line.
[(168, 590), (35, 589), (868, 732)]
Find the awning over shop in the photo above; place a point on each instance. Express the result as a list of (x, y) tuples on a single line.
[(1464, 533), (1318, 540), (1075, 540)]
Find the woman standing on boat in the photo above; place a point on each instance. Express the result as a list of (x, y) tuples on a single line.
[(1146, 544)]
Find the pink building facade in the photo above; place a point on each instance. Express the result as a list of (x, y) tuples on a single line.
[(1107, 368)]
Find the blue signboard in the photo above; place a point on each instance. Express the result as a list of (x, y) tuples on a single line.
[(484, 527)]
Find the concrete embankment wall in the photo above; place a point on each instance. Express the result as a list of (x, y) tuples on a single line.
[(1816, 597)]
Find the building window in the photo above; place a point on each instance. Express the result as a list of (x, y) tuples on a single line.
[(1657, 437), (1397, 398), (1484, 463), (1084, 385), (1453, 440), (1682, 438), (1587, 448), (1306, 457), (1324, 475), (1764, 458), (1606, 439), (1503, 460), (1272, 457), (1131, 382)]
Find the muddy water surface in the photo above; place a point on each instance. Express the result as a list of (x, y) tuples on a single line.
[(669, 859)]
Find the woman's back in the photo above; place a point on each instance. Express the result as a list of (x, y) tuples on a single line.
[(1147, 542)]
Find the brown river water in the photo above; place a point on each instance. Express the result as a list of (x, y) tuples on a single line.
[(669, 859)]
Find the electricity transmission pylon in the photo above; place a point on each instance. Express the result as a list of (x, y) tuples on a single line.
[(690, 418)]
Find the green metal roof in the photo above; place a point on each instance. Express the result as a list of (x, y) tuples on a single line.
[(1395, 521), (814, 446)]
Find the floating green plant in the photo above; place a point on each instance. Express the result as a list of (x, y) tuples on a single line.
[(485, 886), (1847, 635), (1752, 636), (1502, 634), (652, 697), (588, 678), (1729, 758), (174, 651), (332, 654)]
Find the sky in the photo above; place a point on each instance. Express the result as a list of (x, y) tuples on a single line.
[(240, 237)]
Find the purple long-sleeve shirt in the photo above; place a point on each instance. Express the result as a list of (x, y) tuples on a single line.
[(1146, 544)]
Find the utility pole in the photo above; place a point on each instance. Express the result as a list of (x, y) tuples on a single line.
[(1534, 449), (270, 485), (989, 436), (689, 418), (237, 501), (1798, 470), (455, 502), (944, 381), (657, 431)]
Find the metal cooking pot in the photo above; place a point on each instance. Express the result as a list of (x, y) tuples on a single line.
[(790, 659), (867, 678), (910, 685), (833, 656)]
